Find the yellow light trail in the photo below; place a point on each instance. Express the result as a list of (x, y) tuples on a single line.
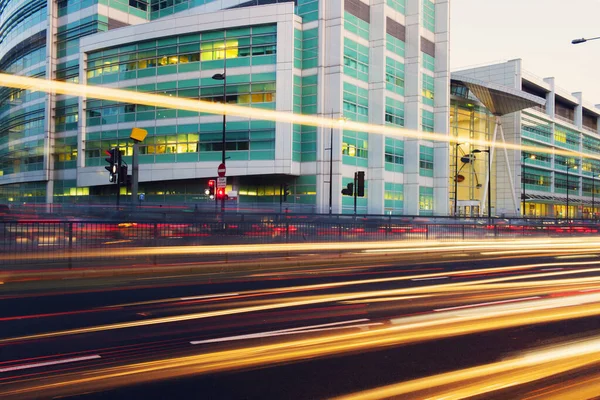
[(411, 330), (550, 245), (127, 96), (484, 379), (313, 300)]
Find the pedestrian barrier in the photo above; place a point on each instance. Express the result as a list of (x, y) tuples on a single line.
[(54, 238)]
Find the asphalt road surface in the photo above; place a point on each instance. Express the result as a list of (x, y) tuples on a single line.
[(513, 320)]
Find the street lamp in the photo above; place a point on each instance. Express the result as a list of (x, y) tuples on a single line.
[(574, 167), (341, 121), (223, 77), (593, 192), (456, 146), (523, 157), (489, 179), (583, 40)]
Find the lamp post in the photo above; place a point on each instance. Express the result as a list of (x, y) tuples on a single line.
[(593, 216), (489, 179), (341, 120), (574, 167), (456, 146), (223, 77), (523, 157)]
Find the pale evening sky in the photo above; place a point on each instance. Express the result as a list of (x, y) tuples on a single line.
[(537, 31)]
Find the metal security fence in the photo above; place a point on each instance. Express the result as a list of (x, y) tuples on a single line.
[(82, 235)]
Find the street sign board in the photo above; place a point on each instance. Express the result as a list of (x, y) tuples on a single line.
[(221, 170), (221, 182)]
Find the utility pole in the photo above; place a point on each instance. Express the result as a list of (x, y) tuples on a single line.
[(355, 190), (331, 167), (137, 135), (280, 198)]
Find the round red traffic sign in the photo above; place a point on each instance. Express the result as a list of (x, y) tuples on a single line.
[(221, 170)]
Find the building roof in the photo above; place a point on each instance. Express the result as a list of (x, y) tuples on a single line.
[(499, 99)]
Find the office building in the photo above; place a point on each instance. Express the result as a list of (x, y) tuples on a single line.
[(381, 62), (549, 182)]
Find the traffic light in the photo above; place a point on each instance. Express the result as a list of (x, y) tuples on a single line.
[(113, 160), (123, 175), (349, 191), (286, 191), (210, 190), (221, 194), (360, 184)]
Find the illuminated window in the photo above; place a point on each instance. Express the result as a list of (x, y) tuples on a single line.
[(216, 50), (560, 136)]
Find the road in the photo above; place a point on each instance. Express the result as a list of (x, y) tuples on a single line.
[(497, 320)]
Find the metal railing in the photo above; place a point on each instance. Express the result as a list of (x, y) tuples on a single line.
[(55, 238)]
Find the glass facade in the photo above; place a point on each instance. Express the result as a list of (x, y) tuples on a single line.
[(22, 143), (181, 65), (469, 169), (394, 198)]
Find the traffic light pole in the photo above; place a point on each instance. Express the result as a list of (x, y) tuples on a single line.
[(119, 162), (118, 192), (216, 201), (355, 190), (135, 172), (224, 118), (280, 198)]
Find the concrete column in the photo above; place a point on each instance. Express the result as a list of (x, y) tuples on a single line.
[(441, 107), (50, 105), (330, 89), (578, 120), (376, 172), (412, 104), (285, 97), (551, 97)]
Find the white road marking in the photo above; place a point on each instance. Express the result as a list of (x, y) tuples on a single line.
[(208, 296), (46, 363), (429, 279), (291, 331)]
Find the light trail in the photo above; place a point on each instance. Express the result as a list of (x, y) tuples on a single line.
[(127, 96), (576, 388), (398, 247), (411, 330), (48, 363), (313, 300), (489, 303), (293, 331), (577, 256), (484, 379), (209, 296)]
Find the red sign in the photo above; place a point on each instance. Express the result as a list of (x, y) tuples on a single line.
[(221, 170)]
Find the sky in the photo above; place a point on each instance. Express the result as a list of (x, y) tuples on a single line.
[(537, 31)]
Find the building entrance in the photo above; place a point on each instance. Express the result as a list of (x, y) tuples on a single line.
[(468, 209)]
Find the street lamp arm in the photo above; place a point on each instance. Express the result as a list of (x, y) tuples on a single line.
[(583, 40)]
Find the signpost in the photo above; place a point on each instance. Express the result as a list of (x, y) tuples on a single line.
[(221, 180), (221, 170), (137, 135)]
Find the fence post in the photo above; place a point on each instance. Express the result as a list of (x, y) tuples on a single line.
[(427, 232), (463, 231), (70, 236), (287, 231), (70, 244)]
